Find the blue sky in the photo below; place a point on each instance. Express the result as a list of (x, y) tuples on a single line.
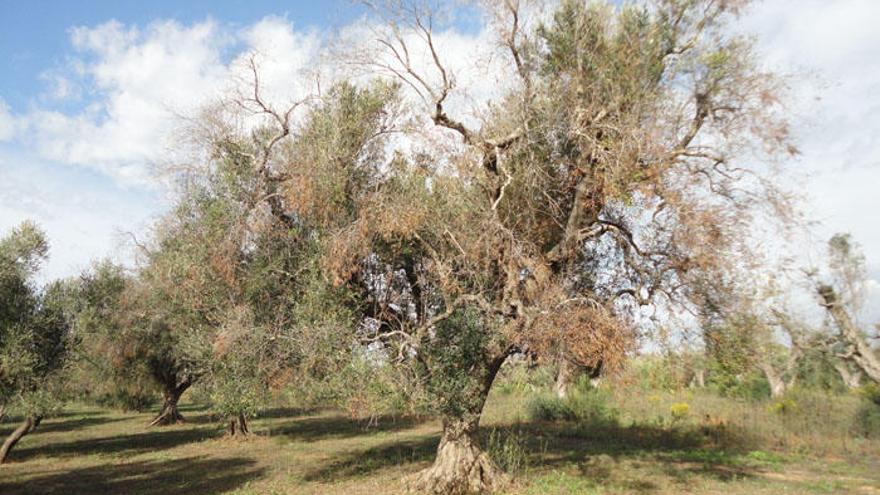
[(35, 35), (91, 94), (88, 211)]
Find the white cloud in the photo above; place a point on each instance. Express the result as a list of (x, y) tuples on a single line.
[(134, 84), (83, 214), (142, 81), (830, 51)]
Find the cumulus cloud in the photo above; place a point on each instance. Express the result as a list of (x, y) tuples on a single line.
[(85, 175), (142, 81)]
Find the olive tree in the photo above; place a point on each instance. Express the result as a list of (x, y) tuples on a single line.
[(605, 178), (33, 332), (841, 298)]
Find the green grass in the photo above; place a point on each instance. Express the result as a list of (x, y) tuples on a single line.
[(94, 451)]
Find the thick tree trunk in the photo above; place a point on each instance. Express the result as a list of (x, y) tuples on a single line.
[(28, 425), (461, 466), (238, 427), (563, 379), (169, 414), (777, 384)]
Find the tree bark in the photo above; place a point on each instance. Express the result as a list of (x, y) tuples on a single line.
[(169, 414), (861, 352), (563, 379), (851, 378), (238, 427), (27, 426), (777, 384), (699, 379), (461, 466)]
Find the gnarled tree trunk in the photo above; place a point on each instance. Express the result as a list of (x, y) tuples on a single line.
[(568, 373), (29, 424), (238, 427), (461, 466), (169, 414)]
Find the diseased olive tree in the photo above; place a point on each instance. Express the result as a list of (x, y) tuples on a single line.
[(34, 332), (98, 370), (842, 298), (606, 178), (234, 277)]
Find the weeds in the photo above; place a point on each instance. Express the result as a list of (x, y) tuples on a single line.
[(509, 450)]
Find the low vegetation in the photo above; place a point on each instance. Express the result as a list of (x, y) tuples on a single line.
[(620, 440)]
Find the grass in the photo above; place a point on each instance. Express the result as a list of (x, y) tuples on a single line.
[(721, 446)]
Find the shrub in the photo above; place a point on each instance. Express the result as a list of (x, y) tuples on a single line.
[(679, 411), (784, 406), (585, 404), (867, 418), (127, 399), (517, 378), (871, 392)]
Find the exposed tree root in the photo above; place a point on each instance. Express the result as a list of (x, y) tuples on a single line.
[(168, 416)]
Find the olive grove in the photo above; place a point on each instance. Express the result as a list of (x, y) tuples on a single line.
[(606, 189)]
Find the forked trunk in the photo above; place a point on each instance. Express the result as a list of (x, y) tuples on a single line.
[(238, 427), (169, 414), (28, 425)]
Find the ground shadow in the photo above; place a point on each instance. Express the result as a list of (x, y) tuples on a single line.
[(57, 422), (118, 444), (55, 426), (206, 417), (287, 412), (682, 452), (710, 452), (314, 428), (194, 475), (364, 462)]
